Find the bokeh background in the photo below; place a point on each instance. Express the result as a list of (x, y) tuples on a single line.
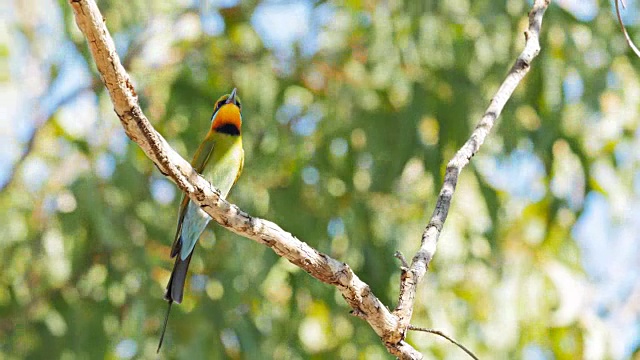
[(351, 112)]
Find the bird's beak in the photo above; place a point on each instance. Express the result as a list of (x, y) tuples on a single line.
[(232, 97)]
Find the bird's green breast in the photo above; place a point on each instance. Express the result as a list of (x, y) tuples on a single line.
[(225, 162)]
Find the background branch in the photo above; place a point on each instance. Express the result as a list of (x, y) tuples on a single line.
[(410, 278), (632, 45), (440, 333)]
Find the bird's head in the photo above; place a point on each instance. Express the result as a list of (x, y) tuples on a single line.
[(227, 118)]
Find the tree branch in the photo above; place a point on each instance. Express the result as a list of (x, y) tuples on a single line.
[(390, 326), (440, 333), (321, 266), (624, 28), (410, 278)]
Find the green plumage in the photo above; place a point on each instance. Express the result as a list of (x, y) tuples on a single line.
[(219, 159)]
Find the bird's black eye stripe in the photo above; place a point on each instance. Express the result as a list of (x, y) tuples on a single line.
[(220, 103)]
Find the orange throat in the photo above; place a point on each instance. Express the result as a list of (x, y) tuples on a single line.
[(227, 117)]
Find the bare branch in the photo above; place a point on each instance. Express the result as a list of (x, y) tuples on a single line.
[(324, 268), (403, 260), (410, 279), (624, 28), (440, 333)]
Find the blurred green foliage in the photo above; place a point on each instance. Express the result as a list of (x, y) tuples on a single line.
[(346, 132)]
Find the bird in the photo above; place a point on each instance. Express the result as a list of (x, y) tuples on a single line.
[(219, 159)]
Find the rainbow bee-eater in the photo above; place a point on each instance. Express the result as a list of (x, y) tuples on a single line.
[(219, 159)]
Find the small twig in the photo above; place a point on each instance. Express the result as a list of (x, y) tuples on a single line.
[(624, 28), (440, 333), (403, 260)]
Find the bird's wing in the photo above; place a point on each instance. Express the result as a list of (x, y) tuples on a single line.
[(240, 169), (175, 247), (199, 162), (201, 158)]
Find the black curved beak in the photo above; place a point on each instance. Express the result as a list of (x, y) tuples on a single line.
[(232, 98)]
